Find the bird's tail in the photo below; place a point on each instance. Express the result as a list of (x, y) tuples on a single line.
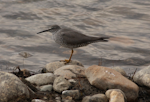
[(103, 39), (120, 40)]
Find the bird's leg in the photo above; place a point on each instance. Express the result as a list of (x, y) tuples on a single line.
[(67, 61)]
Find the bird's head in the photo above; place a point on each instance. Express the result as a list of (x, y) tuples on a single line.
[(52, 29)]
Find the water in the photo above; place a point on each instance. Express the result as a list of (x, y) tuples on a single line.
[(20, 20)]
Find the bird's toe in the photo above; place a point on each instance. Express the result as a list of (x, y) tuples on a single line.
[(66, 61)]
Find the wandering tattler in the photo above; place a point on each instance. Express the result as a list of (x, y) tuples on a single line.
[(72, 39)]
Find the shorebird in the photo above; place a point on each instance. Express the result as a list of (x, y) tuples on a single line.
[(70, 38)]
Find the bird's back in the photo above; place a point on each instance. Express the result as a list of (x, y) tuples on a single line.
[(72, 39)]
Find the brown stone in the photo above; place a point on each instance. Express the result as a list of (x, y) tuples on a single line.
[(12, 89), (142, 77), (120, 70), (51, 67), (60, 84), (106, 78), (70, 71), (115, 95), (41, 79), (95, 98)]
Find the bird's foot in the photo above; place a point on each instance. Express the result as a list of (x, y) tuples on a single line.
[(66, 61)]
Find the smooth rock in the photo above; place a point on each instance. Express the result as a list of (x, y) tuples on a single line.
[(95, 98), (72, 81), (41, 79), (107, 78), (51, 67), (142, 77), (12, 88), (46, 88), (120, 70), (70, 71), (115, 95), (75, 94), (61, 84), (27, 83), (37, 100)]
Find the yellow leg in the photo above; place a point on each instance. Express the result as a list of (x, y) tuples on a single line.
[(67, 61)]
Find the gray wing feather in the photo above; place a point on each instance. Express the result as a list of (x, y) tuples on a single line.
[(72, 37)]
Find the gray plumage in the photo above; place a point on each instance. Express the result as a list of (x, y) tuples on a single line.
[(72, 39)]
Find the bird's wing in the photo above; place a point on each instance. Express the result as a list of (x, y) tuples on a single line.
[(72, 37)]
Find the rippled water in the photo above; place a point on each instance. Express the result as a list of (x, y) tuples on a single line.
[(20, 20)]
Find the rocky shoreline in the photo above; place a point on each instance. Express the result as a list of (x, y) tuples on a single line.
[(60, 82)]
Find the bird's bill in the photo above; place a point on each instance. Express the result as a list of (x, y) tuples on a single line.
[(43, 31)]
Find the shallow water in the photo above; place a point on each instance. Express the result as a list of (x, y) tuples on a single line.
[(20, 20)]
